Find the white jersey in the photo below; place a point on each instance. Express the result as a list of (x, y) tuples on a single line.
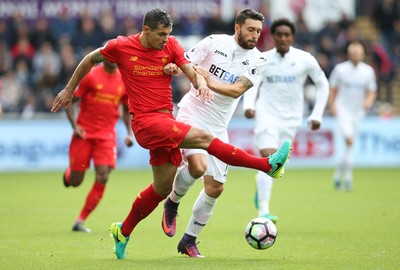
[(226, 61), (352, 83), (281, 93)]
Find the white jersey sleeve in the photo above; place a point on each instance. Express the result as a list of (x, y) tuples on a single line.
[(200, 51), (249, 98), (254, 73), (322, 85)]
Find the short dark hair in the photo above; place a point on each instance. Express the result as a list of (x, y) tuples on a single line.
[(248, 14), (155, 17), (283, 21)]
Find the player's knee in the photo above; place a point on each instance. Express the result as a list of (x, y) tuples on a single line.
[(102, 177), (163, 190), (214, 191), (76, 179), (198, 168)]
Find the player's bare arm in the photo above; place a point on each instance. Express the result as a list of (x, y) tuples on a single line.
[(231, 90), (126, 118), (369, 100), (70, 111), (65, 96), (331, 101), (199, 82)]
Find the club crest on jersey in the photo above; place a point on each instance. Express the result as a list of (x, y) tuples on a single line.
[(245, 63), (253, 71), (164, 59)]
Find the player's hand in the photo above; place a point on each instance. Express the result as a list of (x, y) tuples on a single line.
[(314, 125), (367, 105), (249, 113), (62, 100), (129, 140), (79, 131), (171, 69), (204, 94)]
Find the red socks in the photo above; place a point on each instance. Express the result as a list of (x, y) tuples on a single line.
[(92, 200), (237, 157), (144, 204)]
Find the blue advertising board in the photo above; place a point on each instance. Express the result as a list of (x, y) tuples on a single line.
[(43, 145)]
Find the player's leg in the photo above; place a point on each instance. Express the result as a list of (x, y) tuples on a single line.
[(149, 198), (347, 128), (185, 177), (80, 153), (197, 138), (94, 196), (214, 179), (164, 165), (201, 213), (268, 138), (104, 153), (348, 164)]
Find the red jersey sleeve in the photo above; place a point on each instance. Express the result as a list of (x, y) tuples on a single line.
[(179, 52), (110, 50)]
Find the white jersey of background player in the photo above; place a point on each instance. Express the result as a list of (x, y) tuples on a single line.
[(278, 104), (353, 91), (226, 58)]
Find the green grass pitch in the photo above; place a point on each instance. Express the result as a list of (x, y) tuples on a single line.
[(319, 228)]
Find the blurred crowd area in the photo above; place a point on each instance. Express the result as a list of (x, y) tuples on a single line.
[(37, 58)]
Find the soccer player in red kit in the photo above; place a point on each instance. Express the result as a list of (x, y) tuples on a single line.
[(141, 59), (101, 92)]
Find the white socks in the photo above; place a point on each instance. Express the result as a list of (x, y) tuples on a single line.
[(182, 184), (344, 168), (264, 189), (201, 213)]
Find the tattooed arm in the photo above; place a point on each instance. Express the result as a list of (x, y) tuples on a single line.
[(231, 90), (65, 96)]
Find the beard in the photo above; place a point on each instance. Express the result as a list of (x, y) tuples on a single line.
[(243, 43)]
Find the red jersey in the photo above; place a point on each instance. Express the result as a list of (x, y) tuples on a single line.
[(100, 93), (148, 88)]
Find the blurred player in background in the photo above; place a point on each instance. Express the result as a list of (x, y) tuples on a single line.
[(226, 57), (353, 92), (277, 104), (141, 58), (100, 94)]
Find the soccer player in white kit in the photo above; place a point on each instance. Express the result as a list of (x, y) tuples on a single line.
[(226, 58), (278, 104), (353, 92)]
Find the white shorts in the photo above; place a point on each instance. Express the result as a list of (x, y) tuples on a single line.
[(271, 135), (215, 167), (348, 122)]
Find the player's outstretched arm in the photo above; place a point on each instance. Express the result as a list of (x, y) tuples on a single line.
[(65, 96), (199, 82), (231, 90)]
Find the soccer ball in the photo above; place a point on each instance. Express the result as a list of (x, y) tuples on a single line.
[(261, 233)]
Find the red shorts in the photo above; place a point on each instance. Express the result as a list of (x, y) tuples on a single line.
[(161, 134), (81, 151)]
